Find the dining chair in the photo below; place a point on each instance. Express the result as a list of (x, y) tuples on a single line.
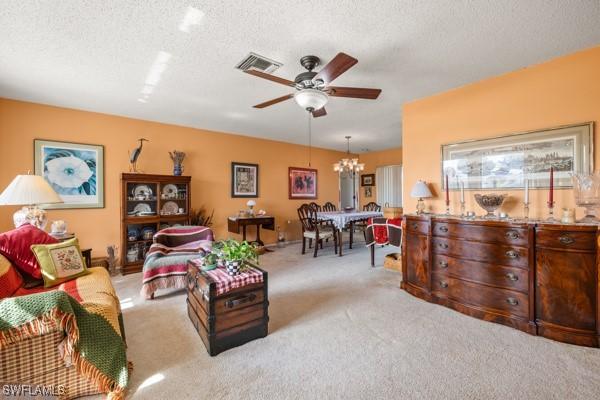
[(372, 206), (361, 225), (329, 206), (315, 206), (312, 230)]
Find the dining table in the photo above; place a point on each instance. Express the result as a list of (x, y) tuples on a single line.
[(341, 219)]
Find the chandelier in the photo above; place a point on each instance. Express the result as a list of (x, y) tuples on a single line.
[(348, 164)]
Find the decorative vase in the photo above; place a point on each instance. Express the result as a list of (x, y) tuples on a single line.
[(233, 267), (177, 169), (490, 203), (587, 195)]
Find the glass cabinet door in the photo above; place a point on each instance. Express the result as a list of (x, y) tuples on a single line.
[(173, 199)]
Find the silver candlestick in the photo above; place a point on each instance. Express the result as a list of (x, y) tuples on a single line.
[(462, 208), (526, 211)]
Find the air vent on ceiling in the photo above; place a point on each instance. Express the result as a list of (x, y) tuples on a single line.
[(255, 61)]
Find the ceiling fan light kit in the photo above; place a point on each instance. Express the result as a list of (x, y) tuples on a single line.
[(313, 90), (311, 99)]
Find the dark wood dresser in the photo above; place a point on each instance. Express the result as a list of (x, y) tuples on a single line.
[(539, 278)]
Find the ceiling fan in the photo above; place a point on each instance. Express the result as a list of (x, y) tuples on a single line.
[(313, 88)]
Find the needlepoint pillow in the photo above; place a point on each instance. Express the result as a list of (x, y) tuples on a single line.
[(10, 280), (60, 262), (16, 246)]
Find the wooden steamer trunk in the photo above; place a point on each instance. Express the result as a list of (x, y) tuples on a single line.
[(230, 319)]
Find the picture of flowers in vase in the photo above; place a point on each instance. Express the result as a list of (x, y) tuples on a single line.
[(75, 171)]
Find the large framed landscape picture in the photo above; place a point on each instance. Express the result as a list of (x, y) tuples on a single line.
[(74, 170), (302, 183), (506, 162)]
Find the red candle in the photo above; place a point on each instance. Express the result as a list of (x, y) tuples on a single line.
[(551, 193), (447, 193)]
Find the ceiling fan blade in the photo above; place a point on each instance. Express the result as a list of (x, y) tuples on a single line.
[(340, 64), (319, 113), (274, 101), (358, 93), (269, 77)]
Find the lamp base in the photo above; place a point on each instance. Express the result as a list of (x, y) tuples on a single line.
[(32, 215), (420, 206)]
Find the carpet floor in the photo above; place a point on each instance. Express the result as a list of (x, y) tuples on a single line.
[(340, 329)]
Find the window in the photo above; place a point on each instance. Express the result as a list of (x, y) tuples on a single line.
[(389, 185)]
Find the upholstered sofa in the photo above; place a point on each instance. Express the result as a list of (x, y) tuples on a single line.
[(67, 340)]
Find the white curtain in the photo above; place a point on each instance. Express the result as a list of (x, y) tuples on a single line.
[(389, 185)]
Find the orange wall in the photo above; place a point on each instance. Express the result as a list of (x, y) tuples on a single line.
[(208, 161), (562, 91), (376, 159)]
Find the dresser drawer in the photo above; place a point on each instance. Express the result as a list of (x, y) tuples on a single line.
[(503, 301), (491, 274), (417, 226), (481, 233), (562, 239), (489, 253)]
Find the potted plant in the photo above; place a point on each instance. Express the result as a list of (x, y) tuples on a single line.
[(209, 262), (235, 253)]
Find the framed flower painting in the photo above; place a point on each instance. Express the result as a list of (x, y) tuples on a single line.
[(74, 170), (302, 183)]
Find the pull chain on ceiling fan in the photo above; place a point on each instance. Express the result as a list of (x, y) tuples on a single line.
[(313, 88)]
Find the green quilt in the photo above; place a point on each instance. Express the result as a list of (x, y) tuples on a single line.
[(93, 345)]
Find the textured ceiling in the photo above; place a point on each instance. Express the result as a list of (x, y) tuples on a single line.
[(97, 55)]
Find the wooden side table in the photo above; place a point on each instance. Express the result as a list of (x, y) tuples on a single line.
[(235, 223)]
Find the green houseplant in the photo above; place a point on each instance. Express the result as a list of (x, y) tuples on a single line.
[(235, 253), (209, 261)]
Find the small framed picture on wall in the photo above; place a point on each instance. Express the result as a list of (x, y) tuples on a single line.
[(244, 180), (302, 183), (367, 180), (368, 191)]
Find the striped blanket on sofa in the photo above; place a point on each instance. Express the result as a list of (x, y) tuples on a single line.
[(166, 261)]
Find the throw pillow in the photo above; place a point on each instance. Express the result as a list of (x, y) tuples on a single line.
[(10, 280), (16, 246), (60, 262)]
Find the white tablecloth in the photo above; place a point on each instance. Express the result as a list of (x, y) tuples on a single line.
[(340, 218)]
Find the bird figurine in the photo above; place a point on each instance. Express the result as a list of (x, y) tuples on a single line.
[(135, 154)]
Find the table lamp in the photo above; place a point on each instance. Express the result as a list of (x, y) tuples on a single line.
[(251, 204), (29, 191), (420, 190)]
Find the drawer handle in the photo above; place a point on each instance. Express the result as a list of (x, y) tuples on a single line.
[(444, 284), (415, 226), (443, 228), (512, 277), (240, 300), (566, 239), (512, 254), (443, 245), (512, 301), (512, 235), (443, 264)]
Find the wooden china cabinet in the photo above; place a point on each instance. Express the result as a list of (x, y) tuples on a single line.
[(541, 278), (150, 203)]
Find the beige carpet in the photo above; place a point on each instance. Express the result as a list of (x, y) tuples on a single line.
[(342, 330)]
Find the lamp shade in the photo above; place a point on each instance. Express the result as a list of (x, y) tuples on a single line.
[(29, 190), (311, 99), (251, 203), (420, 190)]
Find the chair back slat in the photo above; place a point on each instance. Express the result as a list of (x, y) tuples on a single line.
[(308, 217), (329, 206), (372, 206), (315, 206)]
